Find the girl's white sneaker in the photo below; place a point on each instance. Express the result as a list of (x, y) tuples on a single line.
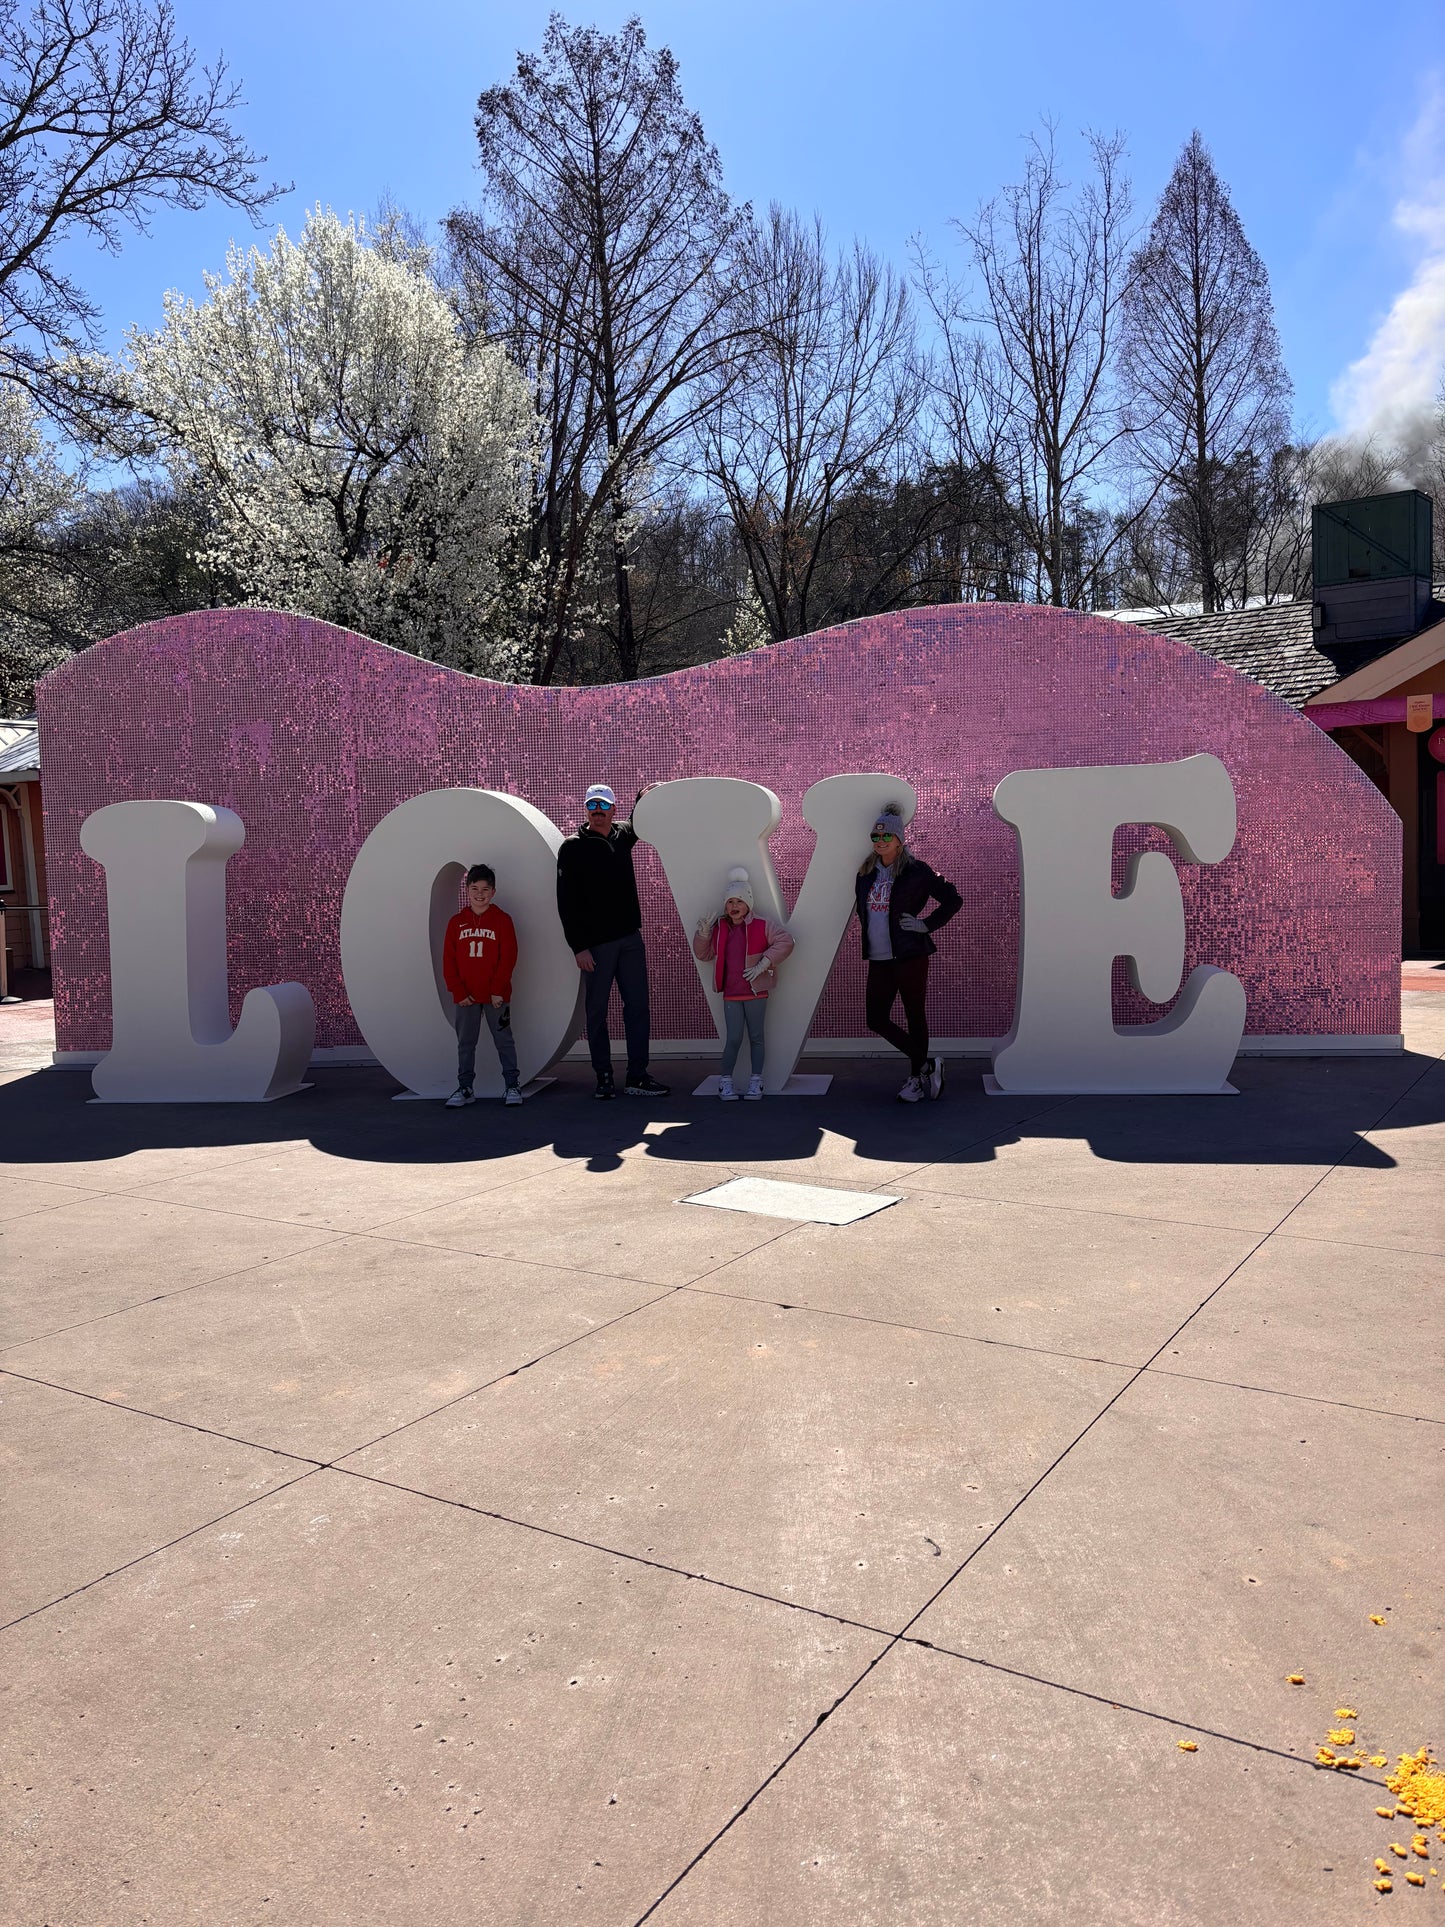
[(725, 1090), (755, 1087)]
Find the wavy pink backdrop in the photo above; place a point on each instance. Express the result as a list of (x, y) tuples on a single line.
[(311, 734)]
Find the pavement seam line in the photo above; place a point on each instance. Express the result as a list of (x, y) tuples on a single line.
[(664, 1292), (1305, 1398), (1356, 1244), (35, 1210), (50, 1183), (758, 1791), (324, 1465), (500, 1378), (163, 1418), (160, 1297), (984, 1137), (1363, 1135), (661, 1294), (898, 1324), (1130, 1382), (612, 1552), (443, 1204), (110, 1191), (155, 1551), (1127, 1706), (903, 1635), (900, 1639), (1098, 1211), (1048, 1351)]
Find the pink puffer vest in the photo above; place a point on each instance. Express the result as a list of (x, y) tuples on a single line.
[(757, 942)]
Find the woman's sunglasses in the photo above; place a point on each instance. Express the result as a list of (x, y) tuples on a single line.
[(881, 836)]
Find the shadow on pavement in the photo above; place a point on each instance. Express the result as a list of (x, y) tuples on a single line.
[(1288, 1112)]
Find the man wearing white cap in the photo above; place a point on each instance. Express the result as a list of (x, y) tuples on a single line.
[(602, 920)]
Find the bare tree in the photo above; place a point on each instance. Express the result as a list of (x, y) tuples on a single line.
[(824, 401), (105, 115), (1023, 376), (1208, 391), (596, 257), (1422, 464), (1298, 476)]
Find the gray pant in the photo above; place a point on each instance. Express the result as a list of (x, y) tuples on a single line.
[(468, 1020), (738, 1011), (624, 960)]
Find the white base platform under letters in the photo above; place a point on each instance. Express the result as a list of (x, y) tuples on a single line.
[(994, 1089)]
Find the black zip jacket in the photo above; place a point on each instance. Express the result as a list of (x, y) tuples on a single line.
[(596, 890), (913, 886)]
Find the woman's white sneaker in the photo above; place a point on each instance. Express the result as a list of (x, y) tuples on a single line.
[(911, 1092), (725, 1090), (755, 1087)]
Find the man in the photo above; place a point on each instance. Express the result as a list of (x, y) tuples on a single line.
[(602, 920)]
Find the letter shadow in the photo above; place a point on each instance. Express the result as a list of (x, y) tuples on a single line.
[(1301, 1112)]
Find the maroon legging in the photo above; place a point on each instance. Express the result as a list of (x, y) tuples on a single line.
[(908, 980)]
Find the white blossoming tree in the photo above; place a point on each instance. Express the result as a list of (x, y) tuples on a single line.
[(41, 614), (362, 460)]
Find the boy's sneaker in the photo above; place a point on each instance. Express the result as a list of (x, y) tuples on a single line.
[(605, 1086), (725, 1090), (646, 1086), (461, 1095), (755, 1087), (911, 1092), (513, 1096), (932, 1077)]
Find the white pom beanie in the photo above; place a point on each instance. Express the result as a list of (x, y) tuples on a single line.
[(739, 884)]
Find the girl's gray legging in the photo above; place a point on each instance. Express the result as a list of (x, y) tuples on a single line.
[(738, 1011)]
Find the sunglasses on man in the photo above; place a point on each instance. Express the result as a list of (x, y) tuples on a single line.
[(592, 808)]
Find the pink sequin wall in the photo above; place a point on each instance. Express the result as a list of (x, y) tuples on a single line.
[(311, 734)]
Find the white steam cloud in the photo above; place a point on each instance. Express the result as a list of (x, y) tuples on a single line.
[(1389, 395)]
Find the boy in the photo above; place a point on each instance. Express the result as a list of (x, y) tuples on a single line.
[(477, 961)]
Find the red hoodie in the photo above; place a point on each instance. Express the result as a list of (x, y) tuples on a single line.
[(479, 954)]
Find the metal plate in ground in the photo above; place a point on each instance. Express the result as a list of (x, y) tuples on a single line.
[(808, 1203)]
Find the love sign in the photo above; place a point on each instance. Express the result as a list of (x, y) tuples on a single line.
[(1152, 851), (164, 864)]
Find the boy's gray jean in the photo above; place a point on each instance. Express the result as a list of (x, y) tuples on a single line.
[(468, 1020), (625, 960), (738, 1011)]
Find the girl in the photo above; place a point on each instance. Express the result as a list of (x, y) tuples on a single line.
[(745, 951), (892, 890)]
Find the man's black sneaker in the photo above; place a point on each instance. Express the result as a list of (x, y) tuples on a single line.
[(647, 1086), (605, 1086)]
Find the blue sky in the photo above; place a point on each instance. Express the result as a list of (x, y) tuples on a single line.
[(1326, 120)]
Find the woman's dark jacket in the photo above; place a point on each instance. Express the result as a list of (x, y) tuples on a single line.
[(913, 885)]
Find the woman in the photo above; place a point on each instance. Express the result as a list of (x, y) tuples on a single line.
[(893, 889)]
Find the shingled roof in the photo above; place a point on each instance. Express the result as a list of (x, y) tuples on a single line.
[(19, 748), (1275, 645)]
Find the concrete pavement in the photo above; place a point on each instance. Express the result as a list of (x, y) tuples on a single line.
[(416, 1516)]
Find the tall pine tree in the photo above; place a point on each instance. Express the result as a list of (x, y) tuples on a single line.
[(1208, 392)]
